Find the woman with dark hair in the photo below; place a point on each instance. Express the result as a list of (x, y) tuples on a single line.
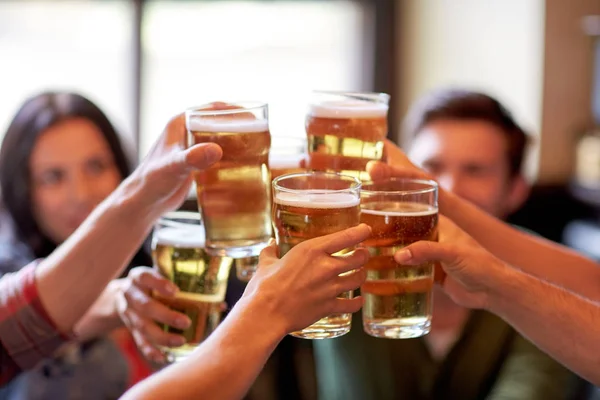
[(59, 159)]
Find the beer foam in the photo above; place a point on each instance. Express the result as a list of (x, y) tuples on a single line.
[(415, 210), (228, 125), (186, 238), (348, 109), (323, 199)]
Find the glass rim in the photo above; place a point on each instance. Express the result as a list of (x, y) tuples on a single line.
[(252, 105), (379, 97), (356, 183), (432, 186), (168, 218)]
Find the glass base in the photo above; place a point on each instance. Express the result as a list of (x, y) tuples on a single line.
[(176, 354), (326, 328), (234, 250), (246, 267), (401, 328)]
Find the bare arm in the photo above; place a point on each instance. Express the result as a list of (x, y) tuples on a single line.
[(102, 317), (226, 364), (534, 255), (559, 322), (71, 279), (284, 296)]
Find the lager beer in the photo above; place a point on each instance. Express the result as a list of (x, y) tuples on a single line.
[(234, 194), (310, 205), (398, 299), (178, 254), (346, 130)]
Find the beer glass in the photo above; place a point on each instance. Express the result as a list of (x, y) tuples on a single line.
[(398, 298), (312, 204), (345, 130), (233, 195), (287, 155), (178, 254)]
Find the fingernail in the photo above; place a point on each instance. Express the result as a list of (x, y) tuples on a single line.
[(171, 289), (212, 153), (403, 255), (178, 341), (182, 322)]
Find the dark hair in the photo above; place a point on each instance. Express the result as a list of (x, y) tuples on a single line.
[(457, 104), (37, 114)]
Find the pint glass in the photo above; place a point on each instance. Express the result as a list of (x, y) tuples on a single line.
[(312, 204), (178, 254), (346, 130), (233, 195), (398, 298)]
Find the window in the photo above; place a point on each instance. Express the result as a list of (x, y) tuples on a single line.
[(67, 45), (275, 51)]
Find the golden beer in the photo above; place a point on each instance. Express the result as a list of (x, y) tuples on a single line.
[(398, 298), (302, 214), (234, 194), (178, 254), (346, 130)]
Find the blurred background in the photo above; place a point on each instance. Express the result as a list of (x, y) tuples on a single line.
[(144, 61)]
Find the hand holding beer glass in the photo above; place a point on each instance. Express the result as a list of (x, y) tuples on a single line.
[(398, 298), (179, 255), (346, 130), (233, 194), (309, 205)]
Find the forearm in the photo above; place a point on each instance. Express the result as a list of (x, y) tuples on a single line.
[(563, 324), (102, 317), (224, 366), (533, 255), (73, 277)]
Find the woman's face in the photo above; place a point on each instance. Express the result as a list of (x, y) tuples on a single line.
[(72, 170)]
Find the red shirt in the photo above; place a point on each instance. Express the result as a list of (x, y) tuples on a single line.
[(27, 334)]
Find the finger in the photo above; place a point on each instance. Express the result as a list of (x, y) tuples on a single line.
[(148, 349), (393, 154), (269, 254), (348, 282), (345, 306), (439, 275), (379, 171), (152, 332), (202, 155), (149, 279), (349, 262), (426, 251), (340, 240), (154, 310)]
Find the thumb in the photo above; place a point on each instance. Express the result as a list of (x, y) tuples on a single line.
[(427, 251), (268, 254), (202, 155)]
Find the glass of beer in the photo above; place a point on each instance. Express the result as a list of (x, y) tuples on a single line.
[(312, 204), (398, 298), (345, 130), (234, 194), (178, 254)]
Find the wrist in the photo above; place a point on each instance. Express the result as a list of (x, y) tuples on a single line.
[(132, 202), (503, 285), (261, 313)]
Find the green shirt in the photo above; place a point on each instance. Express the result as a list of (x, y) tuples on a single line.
[(489, 361)]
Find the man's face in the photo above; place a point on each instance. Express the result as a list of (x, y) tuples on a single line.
[(469, 159)]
